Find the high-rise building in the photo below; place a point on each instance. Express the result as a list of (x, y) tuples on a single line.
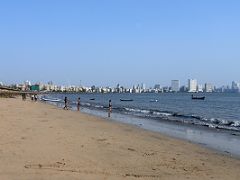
[(143, 86), (183, 89), (235, 86), (192, 85), (175, 85), (200, 88), (208, 87)]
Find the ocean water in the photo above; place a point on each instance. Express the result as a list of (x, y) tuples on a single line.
[(217, 111)]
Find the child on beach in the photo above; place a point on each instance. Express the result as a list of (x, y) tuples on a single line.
[(78, 104)]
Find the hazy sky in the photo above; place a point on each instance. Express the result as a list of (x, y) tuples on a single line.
[(120, 41)]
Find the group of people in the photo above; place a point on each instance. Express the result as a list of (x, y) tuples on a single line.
[(78, 105), (66, 103), (33, 97)]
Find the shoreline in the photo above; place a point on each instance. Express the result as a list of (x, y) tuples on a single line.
[(218, 140), (45, 142)]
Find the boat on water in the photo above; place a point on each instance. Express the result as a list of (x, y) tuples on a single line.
[(153, 100), (126, 99), (198, 97), (92, 99), (51, 99)]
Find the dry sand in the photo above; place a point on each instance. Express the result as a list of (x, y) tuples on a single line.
[(39, 141)]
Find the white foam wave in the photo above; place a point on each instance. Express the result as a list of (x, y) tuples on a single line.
[(161, 113)]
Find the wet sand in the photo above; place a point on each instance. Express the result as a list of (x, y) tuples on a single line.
[(40, 141)]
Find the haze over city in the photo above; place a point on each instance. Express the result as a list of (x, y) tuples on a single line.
[(126, 42)]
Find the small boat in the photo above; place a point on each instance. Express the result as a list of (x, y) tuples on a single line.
[(92, 99), (126, 99), (198, 97), (153, 100), (50, 99)]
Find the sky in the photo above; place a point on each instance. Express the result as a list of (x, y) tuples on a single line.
[(106, 42)]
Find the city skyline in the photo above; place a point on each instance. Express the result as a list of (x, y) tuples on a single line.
[(191, 86), (125, 42), (157, 82)]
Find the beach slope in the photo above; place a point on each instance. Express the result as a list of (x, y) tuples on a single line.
[(40, 141)]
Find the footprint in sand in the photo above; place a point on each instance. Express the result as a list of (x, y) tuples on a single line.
[(103, 141), (149, 154), (130, 149), (56, 165)]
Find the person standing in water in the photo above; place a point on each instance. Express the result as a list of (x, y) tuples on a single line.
[(65, 103), (109, 107), (78, 104)]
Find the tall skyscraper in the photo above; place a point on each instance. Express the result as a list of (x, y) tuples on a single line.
[(192, 85), (175, 85), (208, 87), (143, 86), (235, 86)]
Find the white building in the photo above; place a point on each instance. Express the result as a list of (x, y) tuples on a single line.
[(27, 83), (143, 87), (200, 88), (235, 86), (192, 85), (208, 87), (175, 85)]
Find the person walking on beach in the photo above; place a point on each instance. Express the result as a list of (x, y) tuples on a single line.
[(35, 97), (65, 103), (32, 97), (109, 108), (78, 104)]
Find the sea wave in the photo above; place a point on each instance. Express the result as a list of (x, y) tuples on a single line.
[(186, 118)]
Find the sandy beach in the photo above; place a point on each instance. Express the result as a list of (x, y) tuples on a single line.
[(40, 141)]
